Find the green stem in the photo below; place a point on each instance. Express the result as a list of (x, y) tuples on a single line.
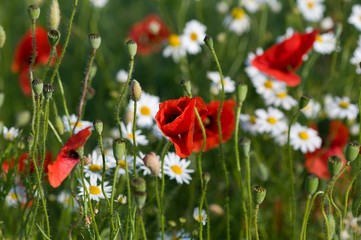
[(62, 94), (304, 222), (135, 174), (256, 209), (348, 193), (165, 149), (142, 227), (113, 191), (52, 54), (249, 194), (55, 132), (307, 214)]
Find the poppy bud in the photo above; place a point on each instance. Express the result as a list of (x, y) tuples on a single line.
[(209, 41), (139, 191), (132, 48), (34, 12), (95, 40), (98, 125), (311, 184), (54, 15), (352, 151), (48, 90), (242, 92), (303, 102), (59, 125), (37, 86), (187, 86), (119, 149), (2, 37), (259, 194), (245, 145), (136, 91), (334, 165), (53, 37), (151, 160)]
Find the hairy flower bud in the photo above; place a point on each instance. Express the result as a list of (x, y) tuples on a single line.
[(132, 48), (209, 41), (119, 148), (242, 92), (34, 12), (311, 184), (37, 86), (151, 161), (98, 125), (2, 36), (136, 90), (54, 15)]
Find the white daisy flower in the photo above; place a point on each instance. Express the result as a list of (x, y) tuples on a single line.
[(127, 132), (216, 86), (340, 108), (95, 168), (327, 23), (249, 123), (10, 133), (80, 126), (176, 168), (222, 7), (200, 216), (66, 199), (16, 197), (280, 99), (356, 59), (252, 6), (275, 5), (281, 138), (122, 76), (271, 121), (193, 36), (355, 129), (312, 109), (238, 21), (128, 162), (175, 48), (266, 87), (147, 108), (121, 199), (311, 10), (355, 18), (304, 139), (99, 3), (94, 190), (325, 43)]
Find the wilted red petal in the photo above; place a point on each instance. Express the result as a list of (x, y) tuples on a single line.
[(282, 59)]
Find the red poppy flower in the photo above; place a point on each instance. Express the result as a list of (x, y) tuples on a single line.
[(149, 34), (282, 60), (23, 162), (23, 55), (333, 144), (209, 120), (67, 158), (176, 119)]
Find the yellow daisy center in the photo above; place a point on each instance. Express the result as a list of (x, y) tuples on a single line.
[(237, 13), (130, 135), (174, 40), (95, 168), (303, 135), (272, 120), (176, 169), (253, 119), (122, 163), (78, 125), (343, 104), (144, 110), (8, 136), (268, 84), (319, 38), (13, 196), (94, 190), (281, 95), (194, 36), (310, 4)]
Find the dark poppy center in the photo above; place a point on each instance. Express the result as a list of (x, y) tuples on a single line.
[(72, 154)]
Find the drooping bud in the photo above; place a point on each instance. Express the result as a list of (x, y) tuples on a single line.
[(135, 90), (53, 37), (54, 15), (98, 125), (48, 90), (132, 48), (119, 148), (259, 194), (95, 40), (311, 184), (34, 12), (245, 145), (334, 165), (303, 102), (151, 161), (242, 92), (59, 125), (187, 86), (139, 191), (209, 41), (37, 86), (352, 151), (2, 36)]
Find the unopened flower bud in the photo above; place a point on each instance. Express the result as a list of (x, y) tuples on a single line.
[(216, 209), (136, 91), (259, 194), (37, 86), (119, 148), (334, 165), (53, 37), (98, 125), (95, 40), (59, 125), (311, 184), (2, 37), (54, 15), (303, 102), (151, 161), (139, 191), (132, 48), (187, 86), (242, 92), (48, 90), (352, 151), (209, 41), (245, 145), (34, 12), (206, 177)]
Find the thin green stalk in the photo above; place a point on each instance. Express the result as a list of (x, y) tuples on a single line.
[(325, 218), (304, 222), (85, 89), (249, 194), (307, 214), (65, 46), (55, 132), (33, 57), (142, 227), (47, 67), (113, 192), (165, 149), (62, 94), (45, 134), (256, 209), (135, 173), (129, 214), (348, 193)]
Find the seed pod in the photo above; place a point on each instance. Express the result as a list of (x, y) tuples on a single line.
[(95, 40), (119, 148), (34, 12), (259, 194), (132, 48), (151, 160), (334, 165), (139, 191), (352, 151), (311, 184), (98, 125)]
